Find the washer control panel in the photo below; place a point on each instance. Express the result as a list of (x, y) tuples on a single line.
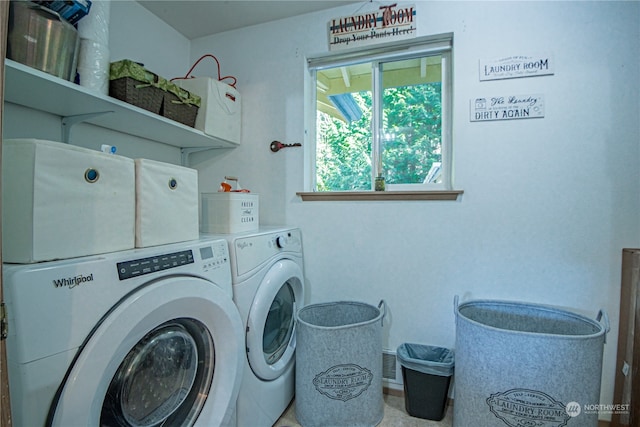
[(215, 255), (153, 264), (212, 256)]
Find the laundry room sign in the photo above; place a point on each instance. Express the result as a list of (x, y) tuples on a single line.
[(388, 23), (506, 107), (516, 66), (343, 382)]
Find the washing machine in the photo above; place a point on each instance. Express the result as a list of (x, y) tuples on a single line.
[(145, 337), (268, 287)]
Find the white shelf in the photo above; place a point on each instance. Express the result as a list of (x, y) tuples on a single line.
[(32, 88)]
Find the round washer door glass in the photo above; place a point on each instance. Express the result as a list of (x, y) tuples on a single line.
[(278, 327), (163, 378)]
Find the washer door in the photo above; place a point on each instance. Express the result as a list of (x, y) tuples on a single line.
[(168, 354), (271, 321)]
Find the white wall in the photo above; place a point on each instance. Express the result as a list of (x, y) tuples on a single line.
[(137, 34), (548, 203)]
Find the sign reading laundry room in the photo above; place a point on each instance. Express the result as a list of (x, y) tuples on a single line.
[(388, 23), (506, 107), (519, 407), (343, 382), (516, 66)]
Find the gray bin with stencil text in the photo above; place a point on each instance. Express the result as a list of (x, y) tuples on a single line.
[(520, 364), (339, 364)]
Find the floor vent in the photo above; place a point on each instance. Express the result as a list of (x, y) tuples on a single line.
[(389, 365)]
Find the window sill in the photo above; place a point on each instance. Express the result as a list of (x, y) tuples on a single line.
[(339, 196)]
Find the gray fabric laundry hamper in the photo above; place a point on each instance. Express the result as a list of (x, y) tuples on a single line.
[(521, 364), (339, 364)]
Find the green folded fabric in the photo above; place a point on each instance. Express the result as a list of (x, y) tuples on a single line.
[(184, 96), (135, 70), (128, 68)]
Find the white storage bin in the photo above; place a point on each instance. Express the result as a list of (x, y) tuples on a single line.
[(220, 113), (62, 201), (229, 212), (166, 203)]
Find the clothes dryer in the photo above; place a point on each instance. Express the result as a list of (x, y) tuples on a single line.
[(268, 288), (145, 337)]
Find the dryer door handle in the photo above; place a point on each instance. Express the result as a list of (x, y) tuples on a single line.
[(292, 341)]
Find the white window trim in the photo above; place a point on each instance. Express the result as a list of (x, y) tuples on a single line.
[(442, 44)]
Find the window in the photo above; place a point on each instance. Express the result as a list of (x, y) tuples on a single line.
[(384, 112)]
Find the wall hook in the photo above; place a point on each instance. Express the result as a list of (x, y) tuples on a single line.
[(277, 146)]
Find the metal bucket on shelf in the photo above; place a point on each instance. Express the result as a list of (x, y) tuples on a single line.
[(42, 39)]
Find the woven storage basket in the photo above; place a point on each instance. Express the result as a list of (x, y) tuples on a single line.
[(180, 105), (131, 83)]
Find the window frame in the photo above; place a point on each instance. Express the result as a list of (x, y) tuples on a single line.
[(441, 44)]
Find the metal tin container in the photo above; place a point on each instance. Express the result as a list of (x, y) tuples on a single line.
[(40, 38)]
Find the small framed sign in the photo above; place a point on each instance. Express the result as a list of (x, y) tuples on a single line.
[(506, 107), (517, 66), (388, 23)]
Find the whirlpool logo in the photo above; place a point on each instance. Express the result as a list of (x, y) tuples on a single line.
[(72, 282)]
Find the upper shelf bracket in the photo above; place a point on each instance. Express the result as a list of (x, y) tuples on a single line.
[(186, 151), (69, 121)]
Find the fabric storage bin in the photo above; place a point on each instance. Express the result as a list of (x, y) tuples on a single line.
[(132, 83), (339, 364), (166, 203), (61, 201), (526, 364), (229, 212), (220, 113)]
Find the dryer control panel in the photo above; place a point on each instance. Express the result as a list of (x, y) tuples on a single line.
[(252, 251)]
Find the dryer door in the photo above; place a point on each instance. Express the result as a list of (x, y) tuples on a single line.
[(271, 325), (166, 354)]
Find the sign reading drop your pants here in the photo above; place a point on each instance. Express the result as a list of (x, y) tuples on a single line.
[(388, 23)]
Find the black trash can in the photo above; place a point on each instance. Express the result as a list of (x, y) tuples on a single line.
[(426, 374)]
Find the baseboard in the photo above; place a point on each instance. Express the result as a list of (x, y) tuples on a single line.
[(393, 391)]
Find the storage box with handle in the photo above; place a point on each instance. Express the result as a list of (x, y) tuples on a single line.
[(61, 201), (220, 113)]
